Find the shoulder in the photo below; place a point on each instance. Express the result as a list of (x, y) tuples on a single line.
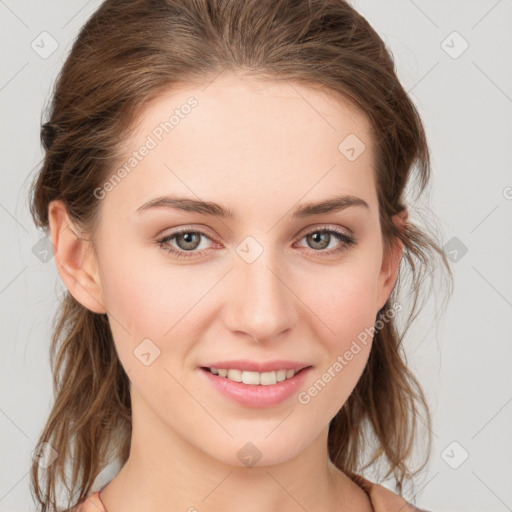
[(92, 504), (384, 500)]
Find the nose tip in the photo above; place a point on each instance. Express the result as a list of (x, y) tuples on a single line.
[(260, 303)]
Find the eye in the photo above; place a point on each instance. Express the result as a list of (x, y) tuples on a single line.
[(321, 239), (187, 240)]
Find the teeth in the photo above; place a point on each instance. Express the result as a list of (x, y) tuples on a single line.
[(254, 378), (281, 375), (250, 378), (268, 378), (235, 375)]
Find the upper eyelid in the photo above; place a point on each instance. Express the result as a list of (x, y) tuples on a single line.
[(208, 232), (303, 232), (319, 227)]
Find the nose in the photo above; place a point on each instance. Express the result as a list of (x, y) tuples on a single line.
[(260, 299)]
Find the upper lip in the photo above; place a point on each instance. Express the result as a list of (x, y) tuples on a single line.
[(254, 366)]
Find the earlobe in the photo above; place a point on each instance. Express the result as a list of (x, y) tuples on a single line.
[(391, 262), (75, 259)]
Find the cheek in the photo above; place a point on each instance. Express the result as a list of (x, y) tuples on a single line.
[(147, 305), (352, 318), (143, 293), (347, 314), (344, 299)]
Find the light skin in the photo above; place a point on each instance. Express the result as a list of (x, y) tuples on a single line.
[(261, 149)]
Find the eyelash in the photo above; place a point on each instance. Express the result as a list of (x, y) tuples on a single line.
[(346, 240)]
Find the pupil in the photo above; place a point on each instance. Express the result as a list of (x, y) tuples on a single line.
[(187, 240), (317, 239)]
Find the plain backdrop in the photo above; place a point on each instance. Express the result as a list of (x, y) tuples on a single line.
[(453, 58)]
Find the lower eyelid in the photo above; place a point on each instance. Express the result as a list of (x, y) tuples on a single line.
[(166, 241), (345, 240)]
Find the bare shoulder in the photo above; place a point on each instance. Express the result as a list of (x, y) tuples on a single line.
[(384, 500)]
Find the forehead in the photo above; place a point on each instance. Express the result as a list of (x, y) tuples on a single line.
[(259, 140)]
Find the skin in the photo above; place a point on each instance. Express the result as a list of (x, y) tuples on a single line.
[(259, 148)]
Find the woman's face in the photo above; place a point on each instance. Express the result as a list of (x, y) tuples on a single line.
[(259, 286)]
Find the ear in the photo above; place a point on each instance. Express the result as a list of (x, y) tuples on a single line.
[(391, 262), (75, 259)]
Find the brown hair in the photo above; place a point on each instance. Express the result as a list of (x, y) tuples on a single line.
[(127, 54)]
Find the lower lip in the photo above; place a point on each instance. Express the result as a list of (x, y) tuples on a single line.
[(257, 395)]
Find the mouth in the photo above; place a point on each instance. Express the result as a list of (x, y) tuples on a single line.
[(256, 389), (254, 378)]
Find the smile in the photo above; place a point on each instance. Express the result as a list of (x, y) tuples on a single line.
[(255, 389), (254, 378)]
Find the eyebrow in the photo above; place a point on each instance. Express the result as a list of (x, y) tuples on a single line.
[(210, 208)]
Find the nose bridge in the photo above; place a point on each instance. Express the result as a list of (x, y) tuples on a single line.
[(261, 302)]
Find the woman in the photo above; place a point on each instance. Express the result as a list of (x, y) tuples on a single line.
[(224, 188)]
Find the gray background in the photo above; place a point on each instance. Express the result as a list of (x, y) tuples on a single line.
[(462, 357)]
